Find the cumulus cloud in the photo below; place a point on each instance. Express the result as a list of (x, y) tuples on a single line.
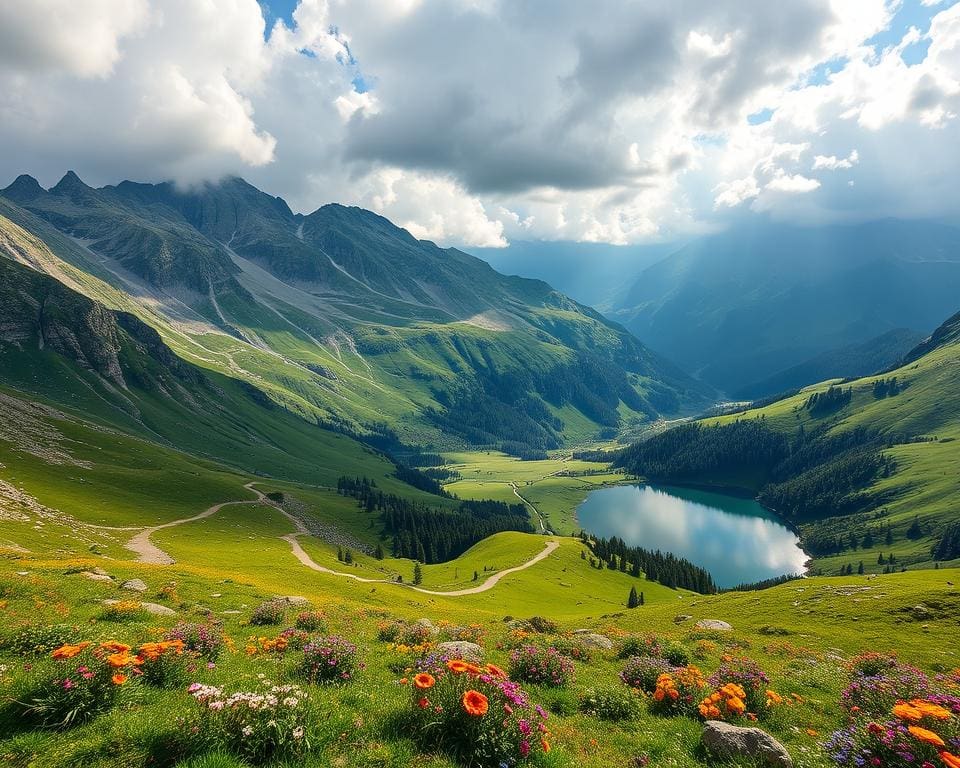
[(474, 121)]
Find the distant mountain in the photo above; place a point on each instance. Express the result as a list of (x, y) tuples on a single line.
[(872, 356), (596, 274), (346, 319), (739, 307)]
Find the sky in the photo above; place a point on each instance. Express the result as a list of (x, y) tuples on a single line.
[(478, 122)]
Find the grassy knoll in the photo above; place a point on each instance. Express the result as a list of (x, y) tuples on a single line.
[(555, 486)]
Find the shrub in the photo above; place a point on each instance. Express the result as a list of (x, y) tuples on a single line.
[(472, 633), (163, 664), (269, 613), (610, 703), (676, 654), (296, 639), (267, 723), (404, 633), (476, 715), (573, 648), (922, 731), (747, 674), (204, 639), (329, 659), (544, 666), (648, 645), (542, 625), (123, 611), (875, 695), (310, 621), (84, 680), (679, 692), (642, 672), (38, 639), (872, 664)]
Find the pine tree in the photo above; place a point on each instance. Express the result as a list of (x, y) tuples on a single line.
[(868, 539), (633, 601), (880, 559), (889, 536), (860, 568), (348, 557), (417, 574), (476, 576), (641, 599), (340, 554), (378, 552)]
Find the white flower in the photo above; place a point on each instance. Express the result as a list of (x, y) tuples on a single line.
[(247, 730), (298, 733), (291, 701)]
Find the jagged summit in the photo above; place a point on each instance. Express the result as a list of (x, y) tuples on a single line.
[(23, 188)]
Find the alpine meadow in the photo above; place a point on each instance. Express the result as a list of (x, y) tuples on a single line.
[(479, 384)]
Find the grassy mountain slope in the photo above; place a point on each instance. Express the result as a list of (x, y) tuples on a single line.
[(853, 361), (741, 306), (877, 455), (341, 316)]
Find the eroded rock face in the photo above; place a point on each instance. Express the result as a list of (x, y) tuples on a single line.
[(461, 649), (724, 740)]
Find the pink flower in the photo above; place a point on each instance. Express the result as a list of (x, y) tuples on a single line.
[(67, 684)]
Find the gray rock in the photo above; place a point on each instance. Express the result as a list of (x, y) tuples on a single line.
[(94, 576), (724, 741), (461, 649), (134, 585), (593, 639), (920, 612), (681, 617), (713, 624), (294, 600), (154, 608), (431, 627)]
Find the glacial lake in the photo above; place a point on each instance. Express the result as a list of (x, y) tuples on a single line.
[(735, 539)]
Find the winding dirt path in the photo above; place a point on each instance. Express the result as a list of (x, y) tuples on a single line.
[(150, 553)]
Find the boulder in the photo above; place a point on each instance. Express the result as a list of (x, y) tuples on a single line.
[(713, 624), (681, 617), (430, 626), (593, 639), (134, 585), (95, 576), (461, 649), (294, 600), (731, 741)]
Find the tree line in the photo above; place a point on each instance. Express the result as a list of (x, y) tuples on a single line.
[(667, 569), (431, 534)]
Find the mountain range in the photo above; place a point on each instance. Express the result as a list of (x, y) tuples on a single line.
[(341, 317)]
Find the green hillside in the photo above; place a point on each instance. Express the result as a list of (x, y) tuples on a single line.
[(343, 317), (867, 467)]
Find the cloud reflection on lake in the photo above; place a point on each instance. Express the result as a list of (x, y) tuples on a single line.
[(735, 539)]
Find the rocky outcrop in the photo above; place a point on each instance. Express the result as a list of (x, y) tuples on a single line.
[(724, 740), (461, 649)]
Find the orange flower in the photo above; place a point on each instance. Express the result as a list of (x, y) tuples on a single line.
[(424, 681), (929, 709), (423, 703), (457, 666), (736, 705), (545, 744), (494, 670), (949, 760), (114, 647), (928, 737), (904, 711), (475, 703), (811, 732), (68, 651), (118, 660), (118, 679)]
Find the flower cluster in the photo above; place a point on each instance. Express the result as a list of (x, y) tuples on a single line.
[(544, 666), (476, 714), (329, 659), (747, 674), (257, 645), (162, 663), (643, 672), (204, 639), (310, 621), (914, 730), (573, 647), (729, 702), (404, 633), (679, 692), (84, 681), (269, 722), (270, 612), (471, 633)]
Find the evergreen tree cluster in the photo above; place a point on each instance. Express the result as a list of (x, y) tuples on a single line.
[(948, 548), (667, 569), (809, 476), (432, 535), (824, 403), (886, 388), (764, 584)]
